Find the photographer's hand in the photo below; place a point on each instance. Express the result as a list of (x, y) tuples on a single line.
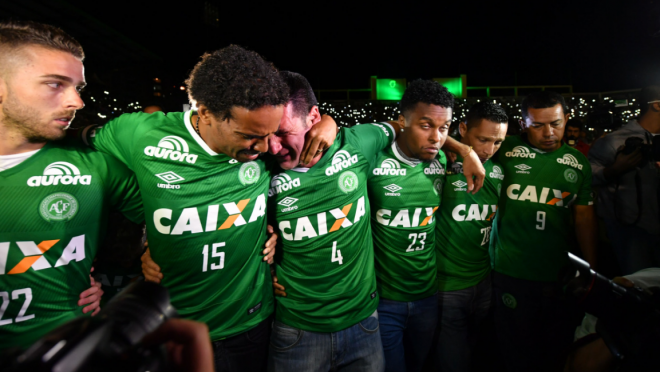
[(91, 296), (277, 287), (150, 269), (188, 344), (269, 248), (623, 163)]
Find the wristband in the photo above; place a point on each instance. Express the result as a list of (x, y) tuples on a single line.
[(468, 153)]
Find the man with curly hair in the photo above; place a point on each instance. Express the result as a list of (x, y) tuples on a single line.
[(204, 189), (405, 188), (462, 235)]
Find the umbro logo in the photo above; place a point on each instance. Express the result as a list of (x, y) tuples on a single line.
[(459, 184), (393, 188), (288, 202), (523, 168), (169, 177)]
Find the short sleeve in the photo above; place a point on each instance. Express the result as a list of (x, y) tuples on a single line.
[(585, 194), (371, 138), (122, 191), (117, 137)]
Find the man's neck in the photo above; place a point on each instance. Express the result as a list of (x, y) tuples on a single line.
[(12, 142), (650, 123)]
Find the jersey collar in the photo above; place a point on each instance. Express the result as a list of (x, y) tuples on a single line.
[(188, 124), (403, 157)]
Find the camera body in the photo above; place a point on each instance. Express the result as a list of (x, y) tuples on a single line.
[(628, 318), (109, 341), (650, 151)]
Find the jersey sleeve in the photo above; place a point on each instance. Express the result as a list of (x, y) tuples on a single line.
[(123, 193), (585, 194), (371, 138), (116, 137)]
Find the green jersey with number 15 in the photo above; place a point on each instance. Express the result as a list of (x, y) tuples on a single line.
[(327, 264), (404, 195), (55, 206), (205, 215), (533, 227)]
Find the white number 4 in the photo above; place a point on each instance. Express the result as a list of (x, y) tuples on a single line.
[(336, 254), (214, 253)]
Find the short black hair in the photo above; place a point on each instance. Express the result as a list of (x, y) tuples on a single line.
[(301, 94), (233, 76), (648, 94), (485, 110), (425, 91), (542, 99), (575, 123)]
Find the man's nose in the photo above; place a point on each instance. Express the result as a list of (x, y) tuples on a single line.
[(261, 145), (274, 145)]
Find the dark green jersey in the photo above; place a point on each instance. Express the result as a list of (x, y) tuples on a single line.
[(205, 215), (327, 264), (54, 207), (533, 227), (463, 227), (404, 196)]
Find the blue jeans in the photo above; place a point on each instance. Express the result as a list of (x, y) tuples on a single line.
[(357, 348), (461, 313), (634, 247), (406, 329)]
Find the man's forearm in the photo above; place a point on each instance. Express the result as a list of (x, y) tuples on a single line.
[(585, 230), (456, 147)]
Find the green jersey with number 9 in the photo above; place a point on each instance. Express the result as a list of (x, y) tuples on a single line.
[(327, 264), (55, 206), (206, 218), (404, 195), (533, 227)]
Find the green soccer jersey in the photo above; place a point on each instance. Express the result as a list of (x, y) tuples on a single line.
[(533, 229), (206, 218), (54, 207), (404, 195), (327, 264), (463, 227)]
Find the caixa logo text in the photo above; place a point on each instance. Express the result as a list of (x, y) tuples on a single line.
[(60, 173), (173, 148)]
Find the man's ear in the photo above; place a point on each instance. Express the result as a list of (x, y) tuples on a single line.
[(402, 121), (566, 117), (314, 116), (523, 125), (462, 129)]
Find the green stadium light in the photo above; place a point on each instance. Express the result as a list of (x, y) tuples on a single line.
[(390, 89), (456, 86)]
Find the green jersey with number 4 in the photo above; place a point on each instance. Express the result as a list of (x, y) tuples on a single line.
[(205, 215), (327, 265), (404, 195), (462, 230), (55, 206), (533, 227)]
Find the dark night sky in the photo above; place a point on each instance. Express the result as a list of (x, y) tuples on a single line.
[(594, 45)]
